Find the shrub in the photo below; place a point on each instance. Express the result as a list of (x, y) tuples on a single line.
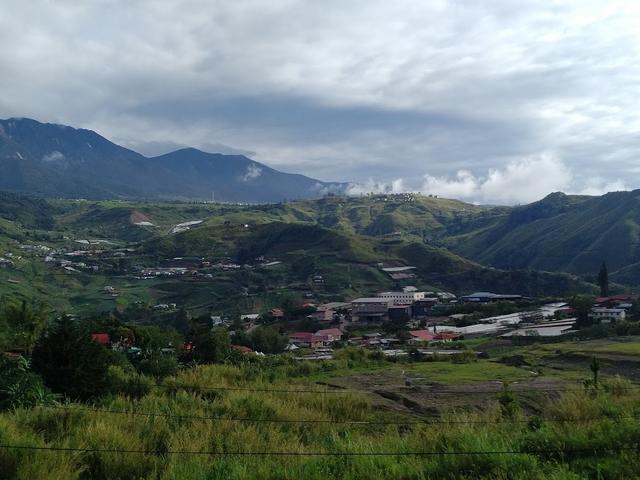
[(70, 362), (20, 387)]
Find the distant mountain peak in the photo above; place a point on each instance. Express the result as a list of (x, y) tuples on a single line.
[(58, 160)]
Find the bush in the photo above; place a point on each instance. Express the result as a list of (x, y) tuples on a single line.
[(158, 366), (70, 362), (20, 387), (129, 384)]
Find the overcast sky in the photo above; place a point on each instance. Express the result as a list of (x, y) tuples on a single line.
[(497, 101)]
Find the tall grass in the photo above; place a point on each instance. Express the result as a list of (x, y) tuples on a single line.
[(77, 427)]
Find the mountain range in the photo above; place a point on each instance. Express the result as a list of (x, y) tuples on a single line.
[(61, 161)]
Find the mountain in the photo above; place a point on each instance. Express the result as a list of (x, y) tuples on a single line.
[(61, 161), (563, 233)]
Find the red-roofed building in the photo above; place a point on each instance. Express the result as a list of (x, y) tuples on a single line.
[(306, 339), (421, 336), (101, 338), (276, 313), (330, 334), (615, 299), (448, 337)]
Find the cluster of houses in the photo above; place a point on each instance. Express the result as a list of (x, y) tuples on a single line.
[(613, 308), (400, 306)]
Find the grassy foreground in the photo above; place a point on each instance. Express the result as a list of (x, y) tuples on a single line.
[(579, 434)]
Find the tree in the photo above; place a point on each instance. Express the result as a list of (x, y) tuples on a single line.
[(212, 345), (267, 340), (603, 280), (70, 362), (581, 305), (26, 322)]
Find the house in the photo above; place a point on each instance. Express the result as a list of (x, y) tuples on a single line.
[(448, 337), (329, 335), (606, 315), (372, 309), (322, 314), (615, 300), (418, 336), (249, 317), (306, 339), (101, 338)]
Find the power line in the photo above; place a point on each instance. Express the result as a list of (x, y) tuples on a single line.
[(593, 451), (347, 391), (438, 420)]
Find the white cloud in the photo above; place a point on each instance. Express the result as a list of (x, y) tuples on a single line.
[(599, 186), (371, 186), (521, 181), (54, 156), (253, 172)]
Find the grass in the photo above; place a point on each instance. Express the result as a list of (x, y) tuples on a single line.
[(82, 429), (466, 373)]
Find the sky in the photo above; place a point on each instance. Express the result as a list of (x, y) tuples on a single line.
[(495, 101)]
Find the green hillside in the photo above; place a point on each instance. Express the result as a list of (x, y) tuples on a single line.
[(562, 233)]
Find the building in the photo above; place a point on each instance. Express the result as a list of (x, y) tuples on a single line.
[(322, 314), (329, 335), (306, 339), (490, 297), (422, 308), (402, 298), (399, 313), (370, 309), (606, 315), (419, 336)]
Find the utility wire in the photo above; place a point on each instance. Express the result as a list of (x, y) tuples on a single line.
[(347, 391), (425, 421), (593, 451)]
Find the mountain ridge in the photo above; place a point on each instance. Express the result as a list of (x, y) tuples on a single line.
[(51, 160)]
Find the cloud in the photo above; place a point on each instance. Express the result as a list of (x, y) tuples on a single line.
[(341, 90), (253, 172), (54, 156), (371, 186), (520, 181)]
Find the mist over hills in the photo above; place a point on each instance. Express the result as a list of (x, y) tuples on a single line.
[(61, 161)]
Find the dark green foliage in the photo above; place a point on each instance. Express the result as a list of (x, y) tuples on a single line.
[(26, 323), (158, 365), (582, 304), (30, 212), (211, 345), (20, 387), (603, 280), (267, 340), (70, 362)]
